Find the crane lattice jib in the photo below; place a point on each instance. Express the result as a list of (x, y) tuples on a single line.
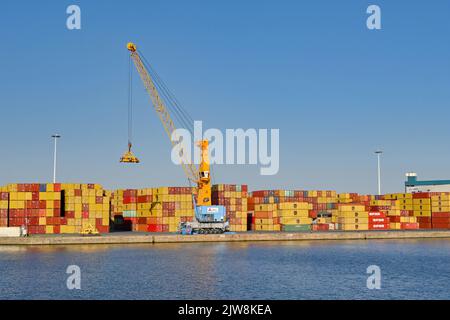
[(189, 169)]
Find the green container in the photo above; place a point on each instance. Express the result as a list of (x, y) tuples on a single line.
[(295, 227)]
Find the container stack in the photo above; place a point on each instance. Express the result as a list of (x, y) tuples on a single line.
[(33, 206), (84, 205), (144, 202), (347, 197), (352, 217), (422, 209), (401, 212), (378, 214), (169, 207), (265, 217), (54, 208), (128, 206), (294, 216), (440, 211), (234, 198), (4, 206), (324, 202)]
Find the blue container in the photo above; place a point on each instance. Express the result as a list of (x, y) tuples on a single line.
[(42, 188)]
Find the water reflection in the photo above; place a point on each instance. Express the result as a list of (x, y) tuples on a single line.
[(240, 270)]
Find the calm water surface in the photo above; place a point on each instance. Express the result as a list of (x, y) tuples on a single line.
[(411, 269)]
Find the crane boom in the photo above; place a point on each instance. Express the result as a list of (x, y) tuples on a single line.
[(189, 169)]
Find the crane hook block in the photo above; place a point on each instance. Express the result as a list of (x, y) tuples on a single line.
[(129, 157), (131, 46)]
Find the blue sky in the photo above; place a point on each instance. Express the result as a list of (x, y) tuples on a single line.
[(336, 90)]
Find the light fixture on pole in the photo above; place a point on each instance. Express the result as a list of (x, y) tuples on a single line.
[(378, 153), (55, 137)]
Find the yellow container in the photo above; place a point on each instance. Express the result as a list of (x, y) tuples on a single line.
[(353, 220), (353, 227), (294, 205), (352, 214), (422, 207), (422, 213), (293, 213), (67, 229), (295, 220), (351, 208), (395, 226)]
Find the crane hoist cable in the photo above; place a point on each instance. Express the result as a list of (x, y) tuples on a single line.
[(130, 102), (128, 156)]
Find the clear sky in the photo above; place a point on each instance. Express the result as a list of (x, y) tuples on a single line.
[(336, 90)]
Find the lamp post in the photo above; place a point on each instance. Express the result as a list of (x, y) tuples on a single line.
[(55, 137), (378, 153)]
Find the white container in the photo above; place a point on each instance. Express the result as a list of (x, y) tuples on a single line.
[(10, 232)]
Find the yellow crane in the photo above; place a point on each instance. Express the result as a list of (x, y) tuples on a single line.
[(204, 211)]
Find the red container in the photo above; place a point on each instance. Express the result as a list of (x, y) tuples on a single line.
[(320, 227), (440, 214), (142, 220), (441, 220), (103, 229), (421, 195), (376, 214), (378, 226), (441, 225), (130, 193), (312, 214), (378, 220), (409, 226), (70, 214), (424, 219)]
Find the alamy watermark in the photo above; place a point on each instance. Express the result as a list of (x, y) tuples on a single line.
[(74, 280), (73, 21), (237, 146), (374, 20), (374, 280)]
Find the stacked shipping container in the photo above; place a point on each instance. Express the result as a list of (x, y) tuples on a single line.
[(351, 217), (84, 205), (4, 206), (55, 208), (294, 216), (68, 208), (234, 198), (153, 209), (440, 211)]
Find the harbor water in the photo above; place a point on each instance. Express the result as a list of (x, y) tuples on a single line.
[(409, 269)]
